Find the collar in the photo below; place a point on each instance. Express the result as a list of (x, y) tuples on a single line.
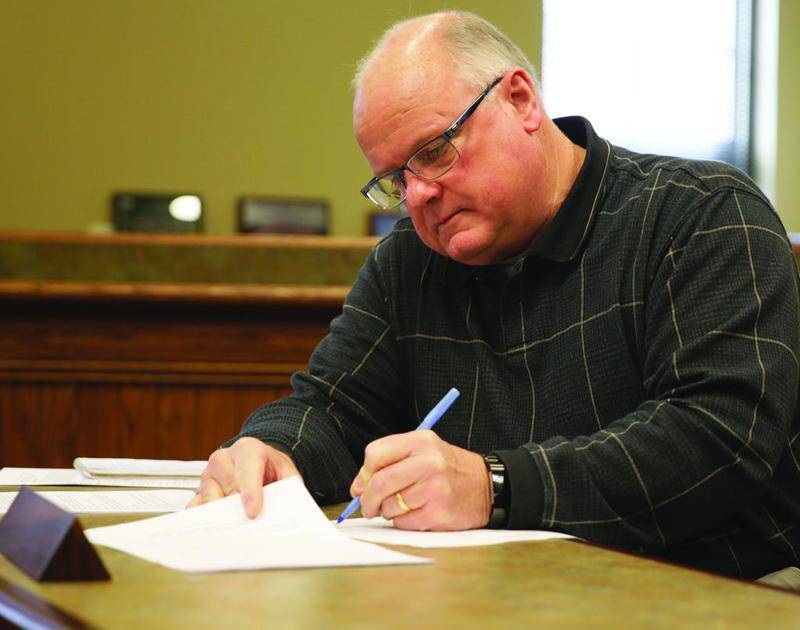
[(566, 234), (563, 238)]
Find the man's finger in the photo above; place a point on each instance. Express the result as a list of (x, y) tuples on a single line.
[(209, 490), (386, 451), (195, 500), (391, 479), (221, 469), (402, 502), (249, 466)]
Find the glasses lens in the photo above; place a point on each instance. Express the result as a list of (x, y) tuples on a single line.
[(434, 159), (388, 191)]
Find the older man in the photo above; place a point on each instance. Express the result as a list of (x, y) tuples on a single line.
[(623, 329)]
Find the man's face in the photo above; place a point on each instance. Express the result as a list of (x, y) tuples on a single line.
[(484, 210)]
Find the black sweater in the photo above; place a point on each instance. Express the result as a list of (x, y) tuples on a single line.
[(636, 370)]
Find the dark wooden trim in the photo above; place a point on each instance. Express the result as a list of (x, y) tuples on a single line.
[(122, 372), (153, 292), (24, 609), (149, 367)]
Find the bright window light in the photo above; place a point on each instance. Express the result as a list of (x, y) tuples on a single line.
[(653, 76)]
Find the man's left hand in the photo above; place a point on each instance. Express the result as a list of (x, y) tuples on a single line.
[(440, 486)]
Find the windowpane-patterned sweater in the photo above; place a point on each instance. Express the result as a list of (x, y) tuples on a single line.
[(636, 370)]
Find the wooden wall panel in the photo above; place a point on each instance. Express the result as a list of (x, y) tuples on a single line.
[(142, 379), (49, 424)]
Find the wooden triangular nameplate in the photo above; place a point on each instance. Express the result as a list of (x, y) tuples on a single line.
[(48, 543)]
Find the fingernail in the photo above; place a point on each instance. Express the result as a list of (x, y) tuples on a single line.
[(250, 506)]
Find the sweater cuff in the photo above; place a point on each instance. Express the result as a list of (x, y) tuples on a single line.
[(527, 489)]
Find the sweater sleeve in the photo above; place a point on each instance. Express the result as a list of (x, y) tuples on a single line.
[(346, 399), (719, 356)]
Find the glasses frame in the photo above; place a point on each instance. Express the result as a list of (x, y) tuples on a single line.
[(448, 135)]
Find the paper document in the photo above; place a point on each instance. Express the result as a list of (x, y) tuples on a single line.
[(380, 530), (110, 466), (72, 477), (112, 502), (290, 532)]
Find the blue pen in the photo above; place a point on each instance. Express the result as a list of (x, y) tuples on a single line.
[(427, 423)]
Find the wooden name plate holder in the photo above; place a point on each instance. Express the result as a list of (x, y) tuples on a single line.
[(48, 543)]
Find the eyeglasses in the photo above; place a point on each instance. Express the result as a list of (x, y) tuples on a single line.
[(432, 160)]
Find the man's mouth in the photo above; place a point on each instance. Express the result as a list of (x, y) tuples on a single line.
[(442, 222)]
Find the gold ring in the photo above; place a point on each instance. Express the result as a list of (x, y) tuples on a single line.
[(401, 503)]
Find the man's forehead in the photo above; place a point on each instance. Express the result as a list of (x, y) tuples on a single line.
[(392, 122), (408, 91), (409, 95)]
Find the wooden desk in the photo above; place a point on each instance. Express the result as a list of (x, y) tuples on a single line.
[(554, 583)]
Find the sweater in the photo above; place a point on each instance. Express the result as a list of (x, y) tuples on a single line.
[(636, 370)]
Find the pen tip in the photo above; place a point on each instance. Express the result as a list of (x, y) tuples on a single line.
[(339, 520)]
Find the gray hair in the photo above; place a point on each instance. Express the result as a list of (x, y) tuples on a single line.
[(480, 51)]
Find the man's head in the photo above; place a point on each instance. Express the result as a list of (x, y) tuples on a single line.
[(499, 187)]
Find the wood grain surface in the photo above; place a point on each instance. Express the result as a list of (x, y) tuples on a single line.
[(551, 584)]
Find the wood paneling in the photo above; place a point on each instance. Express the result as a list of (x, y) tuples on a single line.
[(147, 345), (164, 379)]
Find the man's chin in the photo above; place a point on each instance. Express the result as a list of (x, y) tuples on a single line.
[(467, 251)]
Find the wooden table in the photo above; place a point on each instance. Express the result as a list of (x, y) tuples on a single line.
[(553, 583)]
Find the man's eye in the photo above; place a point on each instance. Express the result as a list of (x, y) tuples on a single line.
[(432, 152)]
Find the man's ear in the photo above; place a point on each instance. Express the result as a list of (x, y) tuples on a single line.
[(521, 94)]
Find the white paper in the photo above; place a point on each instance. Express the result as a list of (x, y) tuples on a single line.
[(380, 530), (96, 466), (72, 477), (112, 502), (290, 532)]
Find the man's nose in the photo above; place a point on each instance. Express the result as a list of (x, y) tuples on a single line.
[(421, 192)]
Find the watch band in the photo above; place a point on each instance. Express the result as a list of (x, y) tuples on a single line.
[(501, 496)]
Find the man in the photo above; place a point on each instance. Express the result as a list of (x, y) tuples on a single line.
[(623, 329)]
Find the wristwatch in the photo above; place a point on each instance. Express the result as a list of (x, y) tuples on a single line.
[(501, 492)]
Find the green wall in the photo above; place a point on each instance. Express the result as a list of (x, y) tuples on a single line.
[(787, 163), (226, 99), (220, 97)]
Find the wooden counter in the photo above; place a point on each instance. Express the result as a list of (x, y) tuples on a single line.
[(155, 346)]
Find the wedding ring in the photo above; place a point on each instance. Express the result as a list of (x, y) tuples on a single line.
[(401, 503)]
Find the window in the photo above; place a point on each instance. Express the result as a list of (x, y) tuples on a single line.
[(653, 76)]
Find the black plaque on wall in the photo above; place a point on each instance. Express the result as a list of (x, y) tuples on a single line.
[(157, 212)]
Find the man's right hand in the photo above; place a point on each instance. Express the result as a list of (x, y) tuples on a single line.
[(245, 466)]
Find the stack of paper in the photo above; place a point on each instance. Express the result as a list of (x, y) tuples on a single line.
[(102, 467), (291, 531), (89, 471), (114, 502)]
